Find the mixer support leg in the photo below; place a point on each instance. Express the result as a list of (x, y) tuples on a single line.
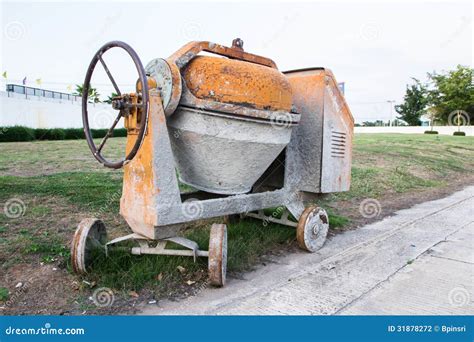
[(296, 208)]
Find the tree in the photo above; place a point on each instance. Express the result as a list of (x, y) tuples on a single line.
[(451, 91), (414, 104), (93, 94), (110, 98)]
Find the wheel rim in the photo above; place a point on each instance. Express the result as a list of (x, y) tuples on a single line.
[(88, 243), (143, 105), (312, 229), (218, 254)]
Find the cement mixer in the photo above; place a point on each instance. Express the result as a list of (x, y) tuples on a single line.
[(232, 127)]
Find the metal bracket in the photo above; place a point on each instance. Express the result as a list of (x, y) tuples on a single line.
[(160, 248), (282, 220), (133, 236), (192, 245)]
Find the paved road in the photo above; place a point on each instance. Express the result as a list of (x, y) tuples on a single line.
[(419, 261)]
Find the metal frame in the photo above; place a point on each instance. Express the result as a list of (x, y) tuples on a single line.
[(153, 205)]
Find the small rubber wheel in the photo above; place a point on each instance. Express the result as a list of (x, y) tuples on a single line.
[(88, 244), (312, 229), (218, 254)]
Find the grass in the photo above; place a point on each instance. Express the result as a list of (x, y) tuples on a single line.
[(4, 294), (60, 182), (396, 163), (246, 241), (92, 190)]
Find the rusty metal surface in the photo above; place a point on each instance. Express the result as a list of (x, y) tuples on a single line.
[(282, 118), (312, 229), (338, 136), (168, 81), (150, 175), (236, 82), (305, 147), (218, 255), (192, 49), (321, 145), (120, 104)]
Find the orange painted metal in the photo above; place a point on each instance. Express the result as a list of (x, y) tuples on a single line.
[(237, 82), (190, 50), (316, 94), (139, 191)]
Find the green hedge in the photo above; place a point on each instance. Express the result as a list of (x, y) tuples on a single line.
[(431, 132), (21, 133), (462, 134)]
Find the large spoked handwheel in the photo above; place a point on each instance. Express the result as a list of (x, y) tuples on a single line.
[(122, 103), (88, 244), (218, 255), (312, 229)]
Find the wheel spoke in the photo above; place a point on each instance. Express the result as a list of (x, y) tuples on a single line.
[(109, 132), (110, 76)]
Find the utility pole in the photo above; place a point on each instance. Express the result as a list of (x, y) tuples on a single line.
[(391, 102)]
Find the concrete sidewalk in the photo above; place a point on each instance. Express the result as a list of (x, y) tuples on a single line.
[(419, 261)]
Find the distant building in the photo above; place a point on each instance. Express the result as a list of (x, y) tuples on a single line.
[(30, 91)]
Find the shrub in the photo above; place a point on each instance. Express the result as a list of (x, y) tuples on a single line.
[(21, 133), (98, 133), (16, 133), (462, 134), (49, 134), (74, 133), (431, 132), (120, 132)]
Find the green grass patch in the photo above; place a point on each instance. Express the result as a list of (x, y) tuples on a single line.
[(248, 240), (337, 221), (96, 191), (48, 246), (401, 181), (4, 294)]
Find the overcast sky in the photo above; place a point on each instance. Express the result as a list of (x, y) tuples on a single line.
[(374, 47)]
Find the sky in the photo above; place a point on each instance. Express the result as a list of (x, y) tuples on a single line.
[(376, 47)]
